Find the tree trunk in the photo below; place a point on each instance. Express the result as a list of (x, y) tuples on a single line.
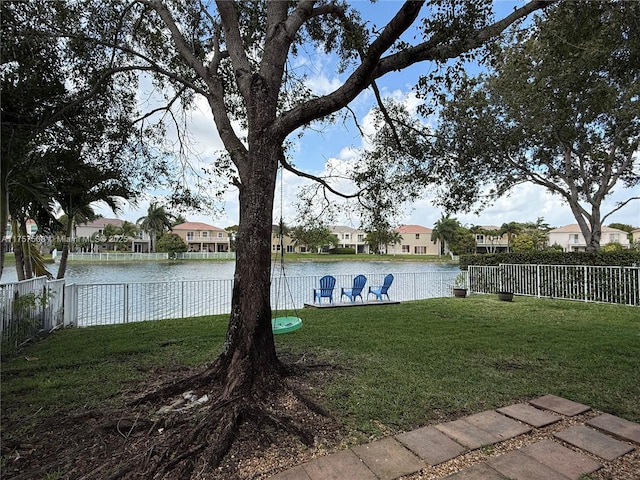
[(62, 268), (25, 244), (17, 250), (592, 231), (249, 358)]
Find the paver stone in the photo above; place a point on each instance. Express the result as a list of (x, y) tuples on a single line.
[(528, 414), (431, 445), (594, 442), (617, 426), (519, 466), (499, 425), (388, 459), (561, 459), (560, 405), (338, 466), (468, 434)]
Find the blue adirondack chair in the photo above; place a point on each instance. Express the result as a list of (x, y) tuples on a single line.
[(327, 284), (356, 290), (381, 290)]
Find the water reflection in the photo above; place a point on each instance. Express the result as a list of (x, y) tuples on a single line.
[(167, 271)]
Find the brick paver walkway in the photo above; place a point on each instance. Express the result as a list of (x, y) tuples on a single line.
[(571, 452)]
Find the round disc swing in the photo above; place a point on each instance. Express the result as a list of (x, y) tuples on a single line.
[(282, 324)]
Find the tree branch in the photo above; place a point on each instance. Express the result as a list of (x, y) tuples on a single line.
[(373, 66)]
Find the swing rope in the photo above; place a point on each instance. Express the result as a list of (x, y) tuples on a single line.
[(282, 284)]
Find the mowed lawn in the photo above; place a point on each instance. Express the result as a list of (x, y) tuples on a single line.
[(381, 369)]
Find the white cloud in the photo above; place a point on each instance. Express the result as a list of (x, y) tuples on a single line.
[(526, 204)]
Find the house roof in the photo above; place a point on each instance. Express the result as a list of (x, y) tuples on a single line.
[(196, 226), (575, 228), (101, 222), (413, 229), (342, 229)]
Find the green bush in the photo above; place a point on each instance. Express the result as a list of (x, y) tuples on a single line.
[(625, 258), (171, 243), (342, 251)]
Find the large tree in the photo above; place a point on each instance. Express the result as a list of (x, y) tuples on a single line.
[(559, 109), (240, 57)]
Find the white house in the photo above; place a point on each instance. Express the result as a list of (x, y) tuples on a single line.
[(95, 229), (349, 237), (571, 239)]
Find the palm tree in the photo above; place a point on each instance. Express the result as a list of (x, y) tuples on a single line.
[(444, 231), (511, 229), (110, 232), (394, 239), (82, 186), (155, 222), (128, 231)]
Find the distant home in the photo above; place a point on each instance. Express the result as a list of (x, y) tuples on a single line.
[(571, 239), (349, 237), (416, 240), (201, 237), (487, 243), (94, 232)]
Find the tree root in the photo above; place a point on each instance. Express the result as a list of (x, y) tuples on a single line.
[(137, 442)]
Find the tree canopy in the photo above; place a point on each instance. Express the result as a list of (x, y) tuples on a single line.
[(558, 109)]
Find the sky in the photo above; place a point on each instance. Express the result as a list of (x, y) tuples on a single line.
[(335, 147)]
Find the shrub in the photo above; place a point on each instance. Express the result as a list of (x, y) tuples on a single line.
[(342, 251), (625, 258)]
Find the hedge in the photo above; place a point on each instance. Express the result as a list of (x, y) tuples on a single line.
[(342, 251), (628, 258)]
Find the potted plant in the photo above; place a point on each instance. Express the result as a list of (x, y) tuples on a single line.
[(505, 293), (505, 296), (460, 285)]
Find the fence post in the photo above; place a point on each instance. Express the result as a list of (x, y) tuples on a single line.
[(126, 303), (182, 299), (70, 304)]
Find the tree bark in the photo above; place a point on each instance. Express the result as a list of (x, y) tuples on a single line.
[(249, 358), (64, 257)]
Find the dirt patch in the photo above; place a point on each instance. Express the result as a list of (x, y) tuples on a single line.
[(100, 443)]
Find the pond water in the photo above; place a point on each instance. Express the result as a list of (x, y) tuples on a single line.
[(166, 271)]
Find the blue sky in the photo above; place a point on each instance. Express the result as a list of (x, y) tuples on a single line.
[(336, 147)]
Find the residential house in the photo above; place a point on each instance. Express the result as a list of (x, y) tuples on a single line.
[(489, 241), (349, 237), (201, 237), (416, 240), (288, 244), (635, 236), (570, 237), (32, 231), (91, 234)]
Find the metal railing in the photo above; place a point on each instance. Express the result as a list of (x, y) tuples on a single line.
[(205, 256), (116, 256), (137, 257), (619, 285), (112, 303), (28, 308)]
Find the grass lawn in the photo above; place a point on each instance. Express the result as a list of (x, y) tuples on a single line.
[(398, 366)]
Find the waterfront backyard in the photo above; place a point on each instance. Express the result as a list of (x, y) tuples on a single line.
[(67, 400)]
